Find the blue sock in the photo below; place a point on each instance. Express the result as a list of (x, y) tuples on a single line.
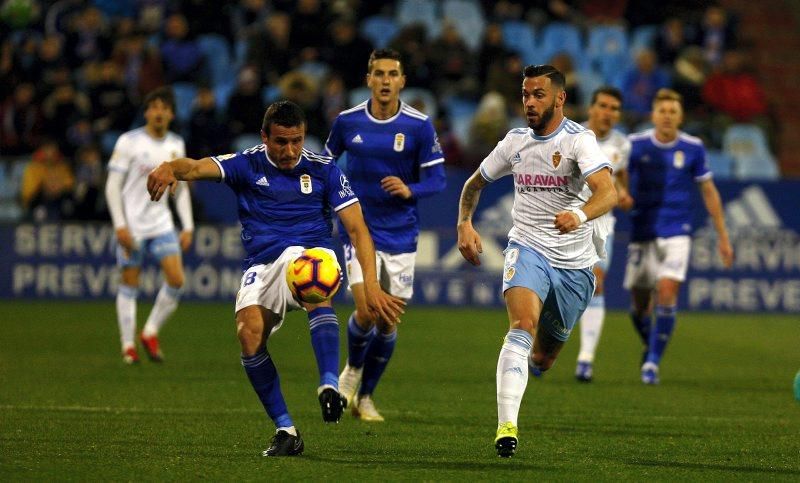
[(358, 340), (325, 340), (642, 325), (665, 322), (264, 377), (378, 354)]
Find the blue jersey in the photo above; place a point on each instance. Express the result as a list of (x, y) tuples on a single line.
[(662, 178), (278, 208), (404, 145)]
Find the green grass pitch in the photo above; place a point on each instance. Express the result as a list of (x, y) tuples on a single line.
[(70, 410)]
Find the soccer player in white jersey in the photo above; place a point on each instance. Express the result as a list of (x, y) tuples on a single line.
[(146, 228), (604, 113), (286, 196), (665, 166), (393, 160), (547, 277)]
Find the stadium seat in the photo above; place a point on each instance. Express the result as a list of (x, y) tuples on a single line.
[(358, 95), (379, 30), (643, 36), (459, 106), (562, 37), (217, 53), (589, 82), (411, 95), (421, 12), (245, 141), (747, 144), (608, 50), (720, 163), (108, 139), (314, 144), (223, 92), (467, 17), (521, 38), (270, 94)]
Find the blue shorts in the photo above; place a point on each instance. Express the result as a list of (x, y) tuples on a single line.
[(565, 292), (604, 264), (158, 247)]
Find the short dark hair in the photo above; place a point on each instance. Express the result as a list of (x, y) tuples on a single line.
[(607, 90), (283, 113), (555, 76), (384, 54), (163, 94)]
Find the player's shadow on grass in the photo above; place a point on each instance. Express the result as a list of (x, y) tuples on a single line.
[(715, 466)]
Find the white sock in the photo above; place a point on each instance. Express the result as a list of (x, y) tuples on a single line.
[(591, 328), (166, 303), (512, 374), (126, 314), (291, 430)]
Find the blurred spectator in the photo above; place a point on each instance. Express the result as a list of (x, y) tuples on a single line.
[(47, 184), (451, 65), (112, 109), (717, 34), (140, 64), (64, 107), (492, 50), (51, 67), (505, 78), (79, 133), (308, 25), (334, 98), (89, 184), (269, 49), (245, 106), (411, 42), (246, 14), (671, 40), (205, 20), (180, 52), (735, 91), (689, 74), (574, 105), (346, 51), (303, 90), (88, 38), (20, 121), (640, 85), (451, 146), (489, 125), (208, 135)]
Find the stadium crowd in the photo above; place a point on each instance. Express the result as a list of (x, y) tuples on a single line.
[(73, 74)]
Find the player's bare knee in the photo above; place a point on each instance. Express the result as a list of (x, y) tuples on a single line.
[(175, 281), (250, 338)]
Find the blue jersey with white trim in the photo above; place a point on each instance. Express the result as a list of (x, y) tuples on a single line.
[(405, 146), (662, 177), (281, 208)]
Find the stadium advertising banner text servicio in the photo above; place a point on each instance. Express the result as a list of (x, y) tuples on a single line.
[(77, 261)]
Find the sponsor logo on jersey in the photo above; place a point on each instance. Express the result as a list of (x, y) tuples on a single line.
[(399, 142), (357, 139), (679, 159), (556, 159), (406, 279), (262, 181), (346, 189), (305, 184), (547, 180)]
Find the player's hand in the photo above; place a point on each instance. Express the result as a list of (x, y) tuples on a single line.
[(125, 240), (160, 180), (469, 243), (382, 305), (624, 199), (185, 239), (395, 187), (566, 221), (726, 252)]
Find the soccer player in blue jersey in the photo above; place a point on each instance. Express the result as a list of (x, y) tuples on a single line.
[(286, 196), (665, 164), (393, 160)]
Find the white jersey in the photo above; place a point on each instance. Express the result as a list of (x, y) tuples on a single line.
[(549, 177), (617, 149), (136, 154)]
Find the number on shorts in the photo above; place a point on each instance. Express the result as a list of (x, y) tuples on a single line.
[(249, 278)]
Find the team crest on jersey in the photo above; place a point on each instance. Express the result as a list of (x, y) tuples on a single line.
[(223, 157), (509, 273), (512, 254), (305, 184), (556, 159), (679, 159), (399, 142)]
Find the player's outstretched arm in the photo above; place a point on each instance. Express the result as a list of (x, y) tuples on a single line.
[(380, 303), (603, 199), (167, 174), (624, 199), (469, 241), (714, 206)]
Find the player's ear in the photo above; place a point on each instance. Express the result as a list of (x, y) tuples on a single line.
[(402, 81), (561, 98), (264, 137)]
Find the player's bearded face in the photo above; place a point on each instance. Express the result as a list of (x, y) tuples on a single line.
[(539, 120)]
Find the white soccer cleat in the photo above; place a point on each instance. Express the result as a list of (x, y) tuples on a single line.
[(349, 380), (365, 410)]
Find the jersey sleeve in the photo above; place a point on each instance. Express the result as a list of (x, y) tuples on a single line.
[(498, 163), (121, 156), (340, 194), (430, 151), (334, 145), (700, 169), (589, 156), (624, 154), (233, 168)]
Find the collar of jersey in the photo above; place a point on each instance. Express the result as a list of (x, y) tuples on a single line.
[(659, 144), (381, 121), (552, 134), (278, 168)]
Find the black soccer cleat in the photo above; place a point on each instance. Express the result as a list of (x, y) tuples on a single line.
[(284, 444), (506, 447), (332, 404)]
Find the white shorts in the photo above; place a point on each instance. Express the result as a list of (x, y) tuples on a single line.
[(653, 260), (265, 285), (395, 272)]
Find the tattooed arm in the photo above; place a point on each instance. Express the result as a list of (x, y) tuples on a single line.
[(469, 241)]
